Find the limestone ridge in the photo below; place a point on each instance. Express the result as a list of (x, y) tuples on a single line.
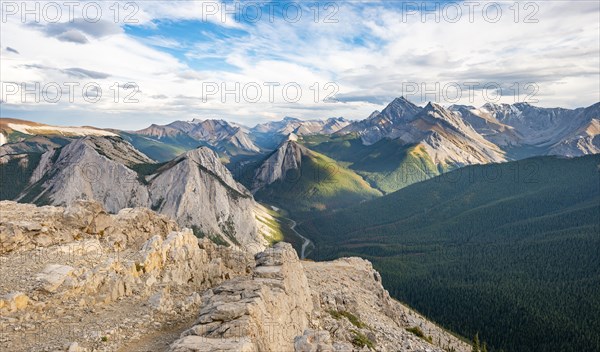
[(264, 312), (136, 269), (520, 129), (195, 189), (80, 279), (288, 305)]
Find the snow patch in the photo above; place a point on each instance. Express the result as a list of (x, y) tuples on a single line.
[(65, 131)]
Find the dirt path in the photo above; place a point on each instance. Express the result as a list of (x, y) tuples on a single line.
[(158, 341)]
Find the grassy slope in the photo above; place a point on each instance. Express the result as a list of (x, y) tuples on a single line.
[(280, 228), (387, 165), (509, 250), (320, 184)]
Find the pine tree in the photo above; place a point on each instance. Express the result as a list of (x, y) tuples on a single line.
[(476, 343), (484, 347)]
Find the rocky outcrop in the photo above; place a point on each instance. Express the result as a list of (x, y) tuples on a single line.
[(354, 312), (264, 312), (100, 280), (289, 305)]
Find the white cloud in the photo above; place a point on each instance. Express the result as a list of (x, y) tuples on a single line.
[(561, 59)]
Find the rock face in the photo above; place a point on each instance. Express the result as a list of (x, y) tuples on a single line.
[(80, 279), (90, 168), (100, 279), (195, 189), (288, 157), (448, 139)]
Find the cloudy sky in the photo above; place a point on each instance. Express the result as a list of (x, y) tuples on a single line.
[(129, 64)]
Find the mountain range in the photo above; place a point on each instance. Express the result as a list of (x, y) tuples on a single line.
[(338, 162), (479, 217)]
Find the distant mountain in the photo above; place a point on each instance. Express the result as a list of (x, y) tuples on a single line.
[(271, 134), (400, 145), (226, 138), (449, 138), (302, 127), (382, 124), (404, 144), (445, 136), (300, 180), (195, 189), (511, 131), (387, 165), (487, 248), (525, 130)]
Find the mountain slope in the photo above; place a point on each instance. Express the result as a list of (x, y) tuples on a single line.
[(198, 191), (195, 189), (412, 144), (488, 248), (300, 180), (526, 130), (387, 165), (89, 168)]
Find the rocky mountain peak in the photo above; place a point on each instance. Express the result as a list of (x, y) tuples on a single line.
[(286, 158), (400, 109), (115, 149)]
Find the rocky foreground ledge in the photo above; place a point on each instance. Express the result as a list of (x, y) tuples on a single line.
[(79, 279)]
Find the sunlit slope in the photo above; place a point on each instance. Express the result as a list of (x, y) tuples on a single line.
[(315, 182)]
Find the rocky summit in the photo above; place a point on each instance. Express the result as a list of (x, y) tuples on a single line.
[(77, 278)]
